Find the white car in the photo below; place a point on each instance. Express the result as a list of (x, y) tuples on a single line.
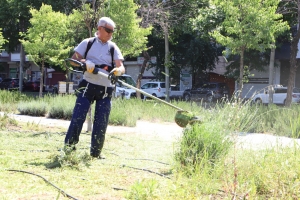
[(157, 89), (123, 91), (279, 96)]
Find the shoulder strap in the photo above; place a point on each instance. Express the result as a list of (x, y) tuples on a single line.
[(89, 45), (112, 51)]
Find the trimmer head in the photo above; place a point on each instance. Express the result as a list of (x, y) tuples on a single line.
[(183, 118)]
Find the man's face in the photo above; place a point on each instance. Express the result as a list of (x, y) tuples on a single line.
[(105, 32)]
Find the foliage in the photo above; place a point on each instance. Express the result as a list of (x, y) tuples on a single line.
[(254, 59), (202, 145), (2, 40), (39, 42), (187, 50), (63, 109), (143, 190), (196, 53), (248, 25), (129, 36), (15, 15), (73, 160), (77, 27), (6, 121), (32, 108), (12, 97), (280, 121), (208, 19)]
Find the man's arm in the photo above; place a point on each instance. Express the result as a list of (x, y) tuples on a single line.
[(119, 64), (77, 56)]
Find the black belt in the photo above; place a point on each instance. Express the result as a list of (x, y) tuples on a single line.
[(105, 67)]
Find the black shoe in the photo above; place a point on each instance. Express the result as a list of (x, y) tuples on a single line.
[(69, 148)]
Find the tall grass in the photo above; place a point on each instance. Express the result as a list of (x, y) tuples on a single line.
[(9, 100), (233, 116)]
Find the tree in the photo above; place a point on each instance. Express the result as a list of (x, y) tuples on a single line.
[(45, 41), (248, 24), (291, 10), (129, 35), (166, 15), (199, 54), (15, 15)]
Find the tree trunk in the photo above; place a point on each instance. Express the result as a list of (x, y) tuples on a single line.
[(42, 78), (293, 67), (271, 75), (167, 81), (22, 58), (241, 74), (141, 72)]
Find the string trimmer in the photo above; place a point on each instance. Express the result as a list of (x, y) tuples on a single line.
[(182, 117)]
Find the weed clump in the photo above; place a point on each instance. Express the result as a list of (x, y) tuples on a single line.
[(201, 145)]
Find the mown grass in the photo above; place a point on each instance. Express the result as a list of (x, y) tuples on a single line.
[(207, 162)]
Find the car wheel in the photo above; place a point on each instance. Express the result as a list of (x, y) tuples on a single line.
[(258, 101), (55, 91), (187, 97)]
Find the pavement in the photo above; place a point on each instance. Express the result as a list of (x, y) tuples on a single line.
[(170, 132), (166, 131)]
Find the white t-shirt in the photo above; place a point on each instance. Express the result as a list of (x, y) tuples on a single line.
[(99, 54)]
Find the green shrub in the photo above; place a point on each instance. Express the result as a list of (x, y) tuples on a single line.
[(61, 107), (10, 99), (33, 108), (201, 145), (123, 112)]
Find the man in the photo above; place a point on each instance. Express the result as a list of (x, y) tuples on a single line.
[(95, 87)]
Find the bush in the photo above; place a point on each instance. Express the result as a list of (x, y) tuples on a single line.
[(61, 107), (201, 145), (33, 108)]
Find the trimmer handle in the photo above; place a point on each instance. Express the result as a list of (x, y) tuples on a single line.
[(81, 64), (111, 76)]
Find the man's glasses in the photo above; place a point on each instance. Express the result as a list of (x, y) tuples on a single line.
[(107, 29)]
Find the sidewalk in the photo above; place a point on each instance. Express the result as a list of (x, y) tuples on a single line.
[(164, 130)]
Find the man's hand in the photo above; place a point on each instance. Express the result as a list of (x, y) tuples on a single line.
[(116, 71), (113, 75), (90, 66)]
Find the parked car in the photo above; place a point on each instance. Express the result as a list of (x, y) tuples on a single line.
[(33, 86), (279, 96), (123, 91), (208, 92), (10, 84), (157, 89), (175, 92)]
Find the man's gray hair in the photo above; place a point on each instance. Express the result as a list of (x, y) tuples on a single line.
[(103, 21)]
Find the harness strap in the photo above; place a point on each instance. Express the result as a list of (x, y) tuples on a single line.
[(105, 93)]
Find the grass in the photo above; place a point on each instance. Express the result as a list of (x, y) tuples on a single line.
[(137, 167), (206, 163), (38, 152)]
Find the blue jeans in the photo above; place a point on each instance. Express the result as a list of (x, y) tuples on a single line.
[(101, 117)]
